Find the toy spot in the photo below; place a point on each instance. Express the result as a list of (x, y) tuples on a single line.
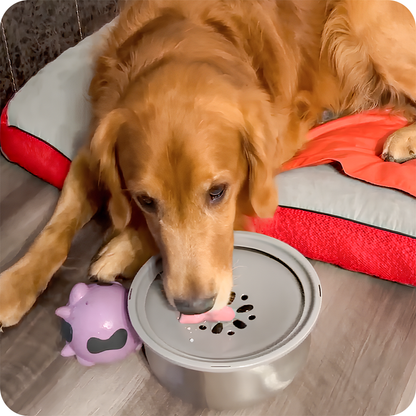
[(116, 342), (66, 331)]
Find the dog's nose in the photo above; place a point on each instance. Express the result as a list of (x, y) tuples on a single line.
[(194, 306)]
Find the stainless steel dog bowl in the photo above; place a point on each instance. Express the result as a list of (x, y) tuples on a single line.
[(277, 302)]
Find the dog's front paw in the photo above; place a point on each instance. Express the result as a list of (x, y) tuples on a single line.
[(17, 296), (401, 145), (113, 260), (105, 267)]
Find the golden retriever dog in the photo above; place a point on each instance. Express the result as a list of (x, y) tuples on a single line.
[(196, 105)]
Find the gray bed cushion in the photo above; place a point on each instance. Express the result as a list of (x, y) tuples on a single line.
[(325, 190)]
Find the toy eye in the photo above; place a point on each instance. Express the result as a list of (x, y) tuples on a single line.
[(147, 203), (217, 192)]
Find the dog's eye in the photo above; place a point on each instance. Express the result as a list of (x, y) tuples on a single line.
[(217, 192), (147, 203)]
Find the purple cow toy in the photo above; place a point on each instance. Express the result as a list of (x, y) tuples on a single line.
[(96, 325)]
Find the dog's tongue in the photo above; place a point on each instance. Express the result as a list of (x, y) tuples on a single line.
[(225, 314)]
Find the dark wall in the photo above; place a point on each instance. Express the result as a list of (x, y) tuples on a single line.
[(34, 32)]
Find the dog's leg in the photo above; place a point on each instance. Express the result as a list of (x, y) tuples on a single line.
[(125, 253), (398, 61), (401, 145), (373, 47), (21, 284)]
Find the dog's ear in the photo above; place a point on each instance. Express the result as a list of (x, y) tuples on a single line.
[(259, 145), (103, 151)]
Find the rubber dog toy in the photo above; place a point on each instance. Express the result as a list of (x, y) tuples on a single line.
[(96, 325)]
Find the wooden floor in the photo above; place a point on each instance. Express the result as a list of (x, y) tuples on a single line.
[(362, 359)]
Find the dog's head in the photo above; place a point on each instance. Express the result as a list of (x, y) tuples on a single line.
[(193, 151)]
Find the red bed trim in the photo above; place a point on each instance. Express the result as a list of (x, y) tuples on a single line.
[(352, 246), (33, 154)]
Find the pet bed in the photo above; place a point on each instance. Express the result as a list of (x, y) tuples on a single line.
[(363, 222)]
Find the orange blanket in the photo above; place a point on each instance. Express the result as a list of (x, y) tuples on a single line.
[(356, 142)]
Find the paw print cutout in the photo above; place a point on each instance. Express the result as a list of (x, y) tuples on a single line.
[(242, 315)]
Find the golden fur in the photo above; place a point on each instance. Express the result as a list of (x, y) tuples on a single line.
[(194, 97)]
